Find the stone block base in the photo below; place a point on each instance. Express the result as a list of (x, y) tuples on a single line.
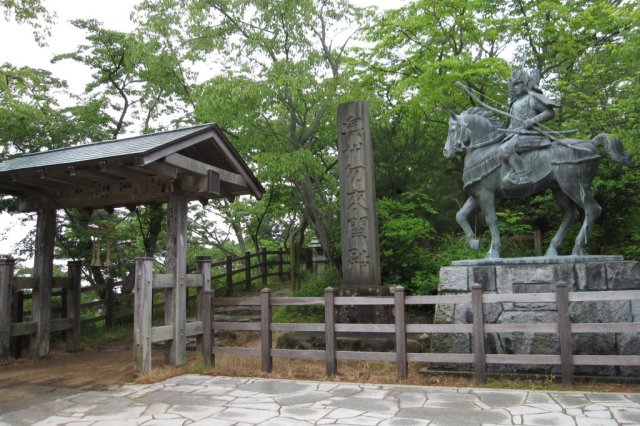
[(581, 275), (363, 314)]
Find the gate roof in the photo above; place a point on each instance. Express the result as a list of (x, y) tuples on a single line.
[(198, 161)]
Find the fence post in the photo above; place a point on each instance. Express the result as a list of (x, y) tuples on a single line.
[(229, 266), (401, 332), (280, 262), (108, 304), (143, 303), (6, 287), (247, 270), (330, 331), (207, 330), (478, 334), (293, 265), (17, 314), (265, 320), (73, 305), (204, 308), (564, 332), (64, 300), (263, 265)]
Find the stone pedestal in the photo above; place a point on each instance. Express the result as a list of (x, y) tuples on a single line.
[(364, 314), (539, 275)]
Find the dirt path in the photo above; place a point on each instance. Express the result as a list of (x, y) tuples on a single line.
[(93, 368)]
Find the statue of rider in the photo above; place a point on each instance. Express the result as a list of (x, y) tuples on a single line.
[(528, 108)]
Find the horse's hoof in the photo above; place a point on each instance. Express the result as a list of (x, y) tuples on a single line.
[(492, 255), (551, 252), (474, 243), (579, 251)]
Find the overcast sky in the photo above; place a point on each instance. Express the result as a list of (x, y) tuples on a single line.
[(19, 49)]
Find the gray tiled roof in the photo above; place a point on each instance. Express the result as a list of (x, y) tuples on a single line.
[(100, 150)]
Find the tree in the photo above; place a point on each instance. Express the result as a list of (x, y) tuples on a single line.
[(281, 77), (31, 118), (30, 12), (138, 80)]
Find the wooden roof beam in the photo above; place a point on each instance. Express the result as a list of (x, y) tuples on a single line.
[(93, 176), (200, 168), (159, 169)]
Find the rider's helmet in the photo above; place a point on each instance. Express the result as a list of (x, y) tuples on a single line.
[(530, 79)]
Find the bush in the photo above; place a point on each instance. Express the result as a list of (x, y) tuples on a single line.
[(313, 287)]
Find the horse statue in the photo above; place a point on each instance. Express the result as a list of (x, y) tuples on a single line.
[(566, 166)]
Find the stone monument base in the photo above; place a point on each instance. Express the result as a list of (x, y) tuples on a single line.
[(539, 275), (364, 314)]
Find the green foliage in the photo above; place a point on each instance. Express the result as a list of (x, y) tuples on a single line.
[(447, 249), (32, 120), (31, 12), (405, 232), (313, 287), (94, 334)]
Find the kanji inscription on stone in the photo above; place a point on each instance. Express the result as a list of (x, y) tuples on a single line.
[(358, 219)]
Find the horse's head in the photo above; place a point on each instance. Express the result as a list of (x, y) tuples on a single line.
[(458, 137), (471, 128)]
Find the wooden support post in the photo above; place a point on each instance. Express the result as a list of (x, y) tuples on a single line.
[(143, 304), (73, 305), (108, 304), (564, 332), (401, 332), (478, 334), (6, 288), (43, 270), (17, 314), (263, 266), (64, 302), (177, 218), (229, 268), (247, 270), (537, 242), (330, 332), (207, 330), (204, 308), (280, 262), (265, 329)]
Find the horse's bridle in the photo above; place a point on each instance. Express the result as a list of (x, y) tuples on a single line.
[(462, 134)]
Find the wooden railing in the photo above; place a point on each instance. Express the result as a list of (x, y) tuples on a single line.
[(479, 358), (242, 271), (114, 300), (12, 325)]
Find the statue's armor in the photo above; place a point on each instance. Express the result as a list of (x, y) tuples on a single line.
[(523, 108)]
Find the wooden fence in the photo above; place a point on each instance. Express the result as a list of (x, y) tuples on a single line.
[(479, 358), (12, 325), (113, 301), (241, 271)]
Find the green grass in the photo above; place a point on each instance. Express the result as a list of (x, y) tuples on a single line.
[(95, 334)]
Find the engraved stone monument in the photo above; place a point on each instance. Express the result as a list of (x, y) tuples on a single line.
[(358, 220)]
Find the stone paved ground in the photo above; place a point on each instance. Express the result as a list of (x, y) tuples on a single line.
[(206, 400)]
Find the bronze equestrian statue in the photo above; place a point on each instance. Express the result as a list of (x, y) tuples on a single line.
[(525, 159)]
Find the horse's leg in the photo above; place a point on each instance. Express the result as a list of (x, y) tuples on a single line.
[(487, 201), (581, 194), (571, 214), (462, 217)]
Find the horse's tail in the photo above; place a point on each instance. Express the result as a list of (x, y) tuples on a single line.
[(614, 149)]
